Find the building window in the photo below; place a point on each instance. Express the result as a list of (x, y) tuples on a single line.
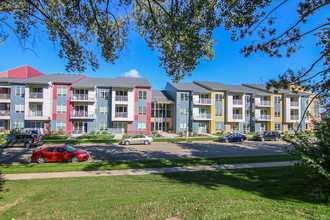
[(142, 110), (316, 104), (184, 97), (247, 99), (290, 127), (247, 113), (277, 113), (104, 94), (103, 126), (183, 111), (183, 126), (60, 126), (218, 97), (246, 128), (218, 126), (19, 124), (19, 91), (104, 110), (218, 112), (61, 109), (317, 114), (142, 126), (142, 94), (19, 108), (277, 126), (277, 99), (61, 91)]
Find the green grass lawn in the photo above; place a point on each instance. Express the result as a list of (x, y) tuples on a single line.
[(54, 137), (97, 136), (263, 193), (138, 164)]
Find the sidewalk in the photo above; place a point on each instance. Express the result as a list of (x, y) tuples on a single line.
[(141, 171)]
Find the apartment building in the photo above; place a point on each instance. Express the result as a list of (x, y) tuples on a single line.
[(162, 110)]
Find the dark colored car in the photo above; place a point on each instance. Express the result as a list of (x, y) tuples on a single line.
[(24, 140), (232, 137), (267, 136), (59, 153)]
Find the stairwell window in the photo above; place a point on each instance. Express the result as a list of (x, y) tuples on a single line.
[(104, 94), (104, 110), (19, 91), (277, 113), (60, 126), (142, 126), (142, 94), (218, 97), (142, 110), (103, 126), (61, 91), (19, 108), (218, 112), (184, 97), (61, 109)]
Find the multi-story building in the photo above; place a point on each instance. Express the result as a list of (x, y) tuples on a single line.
[(70, 103)]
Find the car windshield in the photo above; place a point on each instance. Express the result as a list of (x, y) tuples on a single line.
[(70, 149), (228, 135)]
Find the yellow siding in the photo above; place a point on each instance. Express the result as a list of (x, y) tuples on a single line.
[(152, 119), (170, 123), (216, 118)]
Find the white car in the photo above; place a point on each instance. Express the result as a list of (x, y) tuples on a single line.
[(137, 139)]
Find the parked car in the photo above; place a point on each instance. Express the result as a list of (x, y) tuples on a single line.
[(267, 136), (137, 139), (24, 140), (232, 137), (59, 153)]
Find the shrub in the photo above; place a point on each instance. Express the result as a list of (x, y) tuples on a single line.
[(92, 133), (158, 135), (105, 133), (60, 133), (170, 131)]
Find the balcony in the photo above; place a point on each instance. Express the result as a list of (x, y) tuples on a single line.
[(4, 97), (121, 115), (82, 98), (4, 114), (237, 102), (203, 102), (36, 95), (203, 117), (294, 104), (35, 114), (294, 117), (238, 116), (264, 118), (121, 98), (264, 103), (82, 115)]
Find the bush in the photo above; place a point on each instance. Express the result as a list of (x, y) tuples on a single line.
[(105, 133), (60, 133), (315, 154), (92, 133), (169, 131), (158, 135)]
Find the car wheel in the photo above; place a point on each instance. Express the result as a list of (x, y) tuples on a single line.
[(75, 159), (126, 143), (242, 140), (277, 139), (226, 140), (41, 160), (262, 139), (28, 145), (146, 142)]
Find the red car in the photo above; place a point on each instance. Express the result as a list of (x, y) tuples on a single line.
[(59, 153)]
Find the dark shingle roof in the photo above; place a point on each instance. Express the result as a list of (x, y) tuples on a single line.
[(54, 78), (130, 82), (185, 86), (160, 96), (272, 90), (230, 88), (12, 80), (90, 82)]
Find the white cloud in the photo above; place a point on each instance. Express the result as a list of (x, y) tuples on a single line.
[(132, 73)]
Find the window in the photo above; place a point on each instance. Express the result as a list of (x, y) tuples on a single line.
[(317, 114), (142, 110), (61, 91), (61, 109), (60, 126), (247, 99), (277, 113), (247, 113), (218, 126), (218, 97), (104, 94), (142, 126), (277, 99), (36, 125), (142, 94), (183, 111), (103, 125), (19, 91), (277, 126), (184, 97), (218, 112), (246, 128), (19, 108), (121, 93), (19, 124), (183, 126), (316, 104), (104, 110)]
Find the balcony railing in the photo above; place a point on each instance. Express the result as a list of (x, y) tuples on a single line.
[(82, 97), (237, 116), (237, 102), (121, 115), (264, 103), (36, 95), (203, 101), (35, 113), (121, 98), (294, 104), (203, 117), (4, 113), (294, 117), (82, 114), (4, 96), (264, 117)]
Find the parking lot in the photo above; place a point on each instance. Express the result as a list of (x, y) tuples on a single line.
[(112, 152)]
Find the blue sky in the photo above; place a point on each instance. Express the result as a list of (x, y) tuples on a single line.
[(228, 66)]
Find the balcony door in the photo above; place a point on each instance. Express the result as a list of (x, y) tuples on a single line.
[(80, 127), (80, 109), (36, 110)]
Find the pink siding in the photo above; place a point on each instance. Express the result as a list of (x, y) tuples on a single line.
[(22, 72), (147, 117)]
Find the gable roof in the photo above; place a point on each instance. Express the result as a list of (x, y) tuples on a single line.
[(54, 78), (90, 82), (160, 96), (130, 82), (273, 90), (186, 86)]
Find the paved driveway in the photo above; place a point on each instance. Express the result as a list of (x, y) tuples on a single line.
[(110, 152)]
